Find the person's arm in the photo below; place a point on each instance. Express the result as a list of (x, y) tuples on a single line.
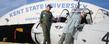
[(53, 19), (41, 17)]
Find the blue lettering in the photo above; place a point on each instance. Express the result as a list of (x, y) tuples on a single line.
[(75, 5), (26, 9), (54, 5), (17, 12), (58, 5), (41, 6), (10, 15), (72, 5), (63, 5), (22, 10), (30, 8), (45, 5), (67, 5), (14, 13), (37, 6), (34, 7), (31, 18)]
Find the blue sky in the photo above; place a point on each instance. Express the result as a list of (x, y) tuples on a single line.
[(101, 3), (31, 1), (9, 5)]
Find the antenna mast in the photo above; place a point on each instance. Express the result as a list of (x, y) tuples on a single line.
[(78, 6)]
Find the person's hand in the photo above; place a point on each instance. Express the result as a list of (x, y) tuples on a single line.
[(82, 14), (55, 20)]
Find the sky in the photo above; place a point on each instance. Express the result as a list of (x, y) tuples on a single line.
[(101, 3), (9, 5)]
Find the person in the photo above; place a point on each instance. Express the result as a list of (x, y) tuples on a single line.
[(46, 21), (71, 27)]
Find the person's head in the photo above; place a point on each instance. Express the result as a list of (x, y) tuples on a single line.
[(48, 7)]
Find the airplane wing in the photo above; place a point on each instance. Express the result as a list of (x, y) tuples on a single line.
[(100, 26)]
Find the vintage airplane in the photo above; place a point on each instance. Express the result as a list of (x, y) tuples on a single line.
[(26, 20)]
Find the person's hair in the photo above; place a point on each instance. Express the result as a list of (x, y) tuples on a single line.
[(49, 6)]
